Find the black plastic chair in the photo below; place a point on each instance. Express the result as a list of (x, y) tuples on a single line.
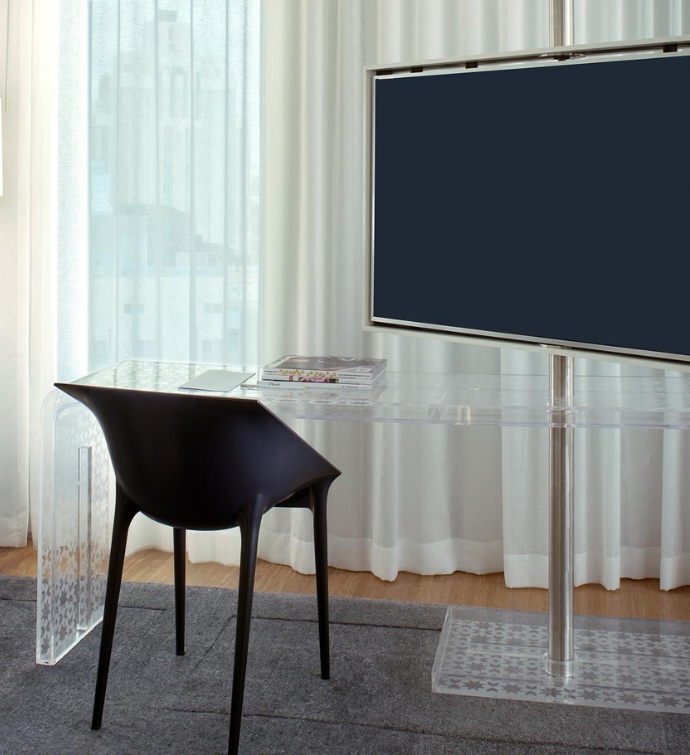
[(205, 462)]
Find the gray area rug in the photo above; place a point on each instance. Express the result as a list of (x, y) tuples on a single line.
[(378, 700)]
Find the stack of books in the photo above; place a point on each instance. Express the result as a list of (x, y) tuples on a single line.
[(323, 372)]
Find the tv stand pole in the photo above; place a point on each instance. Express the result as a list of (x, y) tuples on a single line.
[(560, 660)]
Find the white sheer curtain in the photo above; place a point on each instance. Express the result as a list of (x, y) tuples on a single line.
[(130, 215), (174, 213), (174, 177), (13, 485), (430, 499), (42, 219)]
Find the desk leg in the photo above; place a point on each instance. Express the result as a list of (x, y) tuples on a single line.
[(73, 542), (560, 658)]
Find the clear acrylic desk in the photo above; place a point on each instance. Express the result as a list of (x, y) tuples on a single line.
[(74, 535)]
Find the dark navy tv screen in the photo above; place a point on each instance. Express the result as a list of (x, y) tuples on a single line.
[(548, 203)]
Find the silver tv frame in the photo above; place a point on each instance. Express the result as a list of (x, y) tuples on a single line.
[(572, 55)]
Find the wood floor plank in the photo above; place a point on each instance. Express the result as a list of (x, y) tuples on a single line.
[(635, 598)]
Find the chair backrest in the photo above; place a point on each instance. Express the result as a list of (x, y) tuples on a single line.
[(198, 461)]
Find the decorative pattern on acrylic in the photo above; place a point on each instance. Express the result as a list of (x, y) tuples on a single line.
[(614, 668), (74, 542)]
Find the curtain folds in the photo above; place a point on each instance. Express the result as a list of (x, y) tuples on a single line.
[(13, 483), (174, 172), (29, 324), (175, 186)]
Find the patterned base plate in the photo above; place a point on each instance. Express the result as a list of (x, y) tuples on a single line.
[(619, 663)]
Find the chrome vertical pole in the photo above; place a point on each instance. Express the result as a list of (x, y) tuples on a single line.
[(562, 23), (560, 658)]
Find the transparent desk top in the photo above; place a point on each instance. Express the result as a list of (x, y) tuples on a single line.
[(661, 402)]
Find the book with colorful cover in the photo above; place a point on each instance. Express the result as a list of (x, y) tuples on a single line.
[(330, 384), (332, 370)]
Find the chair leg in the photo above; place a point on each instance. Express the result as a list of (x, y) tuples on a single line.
[(179, 558), (318, 507), (249, 530), (124, 513)]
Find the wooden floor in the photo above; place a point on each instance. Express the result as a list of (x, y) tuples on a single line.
[(635, 598)]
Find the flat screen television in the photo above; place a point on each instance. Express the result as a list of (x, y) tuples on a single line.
[(538, 199)]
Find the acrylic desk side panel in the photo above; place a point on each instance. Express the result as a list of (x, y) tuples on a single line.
[(74, 527)]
